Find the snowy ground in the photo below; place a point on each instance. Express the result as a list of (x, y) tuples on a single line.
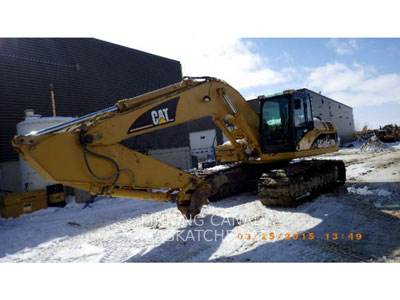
[(238, 229)]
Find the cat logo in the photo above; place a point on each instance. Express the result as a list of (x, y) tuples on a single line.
[(162, 114)]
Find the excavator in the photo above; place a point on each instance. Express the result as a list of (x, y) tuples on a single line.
[(264, 151)]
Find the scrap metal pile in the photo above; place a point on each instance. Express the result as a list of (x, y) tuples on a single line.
[(374, 145)]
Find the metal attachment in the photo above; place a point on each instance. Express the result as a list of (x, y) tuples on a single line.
[(230, 104), (206, 99)]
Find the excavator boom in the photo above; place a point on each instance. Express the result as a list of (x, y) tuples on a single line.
[(85, 153)]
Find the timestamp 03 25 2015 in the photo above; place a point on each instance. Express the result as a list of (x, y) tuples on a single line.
[(304, 236)]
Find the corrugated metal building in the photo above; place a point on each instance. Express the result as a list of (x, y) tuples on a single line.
[(341, 115), (87, 75)]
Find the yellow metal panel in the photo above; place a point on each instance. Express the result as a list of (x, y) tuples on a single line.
[(13, 205)]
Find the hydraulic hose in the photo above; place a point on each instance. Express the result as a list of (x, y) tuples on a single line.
[(114, 176)]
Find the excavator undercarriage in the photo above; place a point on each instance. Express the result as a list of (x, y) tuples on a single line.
[(288, 185), (278, 185)]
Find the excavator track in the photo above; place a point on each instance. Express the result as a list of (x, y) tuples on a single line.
[(220, 182), (288, 185), (278, 185), (230, 179)]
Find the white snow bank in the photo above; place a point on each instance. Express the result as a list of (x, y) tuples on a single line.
[(218, 168)]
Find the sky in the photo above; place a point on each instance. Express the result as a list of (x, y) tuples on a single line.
[(362, 73)]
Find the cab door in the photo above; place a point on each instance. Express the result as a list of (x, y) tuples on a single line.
[(302, 116), (275, 128)]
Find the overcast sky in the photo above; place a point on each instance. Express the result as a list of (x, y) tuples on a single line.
[(362, 73)]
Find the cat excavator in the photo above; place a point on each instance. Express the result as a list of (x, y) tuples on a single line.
[(264, 151)]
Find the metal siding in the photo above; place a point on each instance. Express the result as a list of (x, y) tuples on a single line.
[(341, 115), (172, 137), (177, 157), (87, 75)]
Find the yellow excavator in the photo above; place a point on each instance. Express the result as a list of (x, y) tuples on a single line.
[(263, 149)]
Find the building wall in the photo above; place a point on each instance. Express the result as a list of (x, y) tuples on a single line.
[(10, 177), (338, 113), (86, 74), (203, 144), (205, 123), (177, 157)]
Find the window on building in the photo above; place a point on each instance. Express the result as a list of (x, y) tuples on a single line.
[(322, 101)]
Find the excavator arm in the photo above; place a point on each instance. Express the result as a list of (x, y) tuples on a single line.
[(86, 153)]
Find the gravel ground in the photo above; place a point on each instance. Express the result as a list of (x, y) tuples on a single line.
[(361, 219)]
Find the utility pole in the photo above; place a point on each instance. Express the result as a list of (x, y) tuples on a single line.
[(53, 100)]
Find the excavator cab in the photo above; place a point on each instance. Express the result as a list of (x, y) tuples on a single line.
[(284, 120)]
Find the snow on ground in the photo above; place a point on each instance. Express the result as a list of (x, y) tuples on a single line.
[(238, 229), (365, 191)]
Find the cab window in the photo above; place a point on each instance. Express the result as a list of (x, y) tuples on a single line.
[(272, 117), (298, 114), (307, 102), (275, 125), (302, 117)]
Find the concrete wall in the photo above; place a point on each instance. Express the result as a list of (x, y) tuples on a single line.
[(177, 157), (10, 176)]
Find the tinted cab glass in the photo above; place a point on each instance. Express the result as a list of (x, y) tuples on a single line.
[(302, 115), (274, 125)]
